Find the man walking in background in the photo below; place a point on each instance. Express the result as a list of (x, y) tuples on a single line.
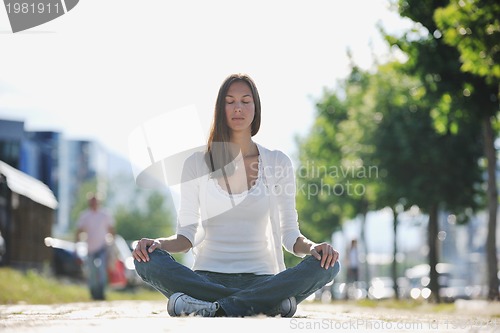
[(98, 225)]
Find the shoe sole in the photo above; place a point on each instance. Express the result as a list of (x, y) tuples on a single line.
[(293, 308), (171, 304)]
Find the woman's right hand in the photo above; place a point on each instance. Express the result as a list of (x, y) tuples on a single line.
[(144, 247)]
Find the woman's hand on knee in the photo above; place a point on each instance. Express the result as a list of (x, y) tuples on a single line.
[(144, 247), (326, 254)]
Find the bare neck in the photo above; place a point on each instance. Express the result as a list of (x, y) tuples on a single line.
[(244, 141)]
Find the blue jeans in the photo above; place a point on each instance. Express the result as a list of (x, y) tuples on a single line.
[(237, 294), (97, 273)]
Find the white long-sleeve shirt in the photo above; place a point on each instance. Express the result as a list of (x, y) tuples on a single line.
[(234, 241), (278, 183)]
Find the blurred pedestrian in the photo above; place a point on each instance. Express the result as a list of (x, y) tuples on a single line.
[(353, 262), (98, 226), (352, 266), (237, 212)]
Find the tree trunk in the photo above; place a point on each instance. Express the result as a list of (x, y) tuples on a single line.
[(395, 252), (492, 199), (432, 232), (364, 212)]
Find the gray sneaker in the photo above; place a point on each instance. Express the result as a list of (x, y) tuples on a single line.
[(288, 307), (180, 304)]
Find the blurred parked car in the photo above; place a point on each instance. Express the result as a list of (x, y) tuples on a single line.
[(355, 291), (69, 261), (339, 290), (381, 288), (419, 280), (68, 258), (3, 249), (403, 287), (122, 274), (455, 289)]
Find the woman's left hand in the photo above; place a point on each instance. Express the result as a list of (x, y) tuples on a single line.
[(326, 253)]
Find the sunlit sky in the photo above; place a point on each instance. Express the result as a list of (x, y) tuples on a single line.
[(106, 67)]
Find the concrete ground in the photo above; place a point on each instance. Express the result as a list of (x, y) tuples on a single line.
[(141, 316)]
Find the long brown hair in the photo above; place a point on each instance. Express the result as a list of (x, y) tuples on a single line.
[(219, 151)]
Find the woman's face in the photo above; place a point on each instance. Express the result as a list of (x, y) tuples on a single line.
[(239, 106)]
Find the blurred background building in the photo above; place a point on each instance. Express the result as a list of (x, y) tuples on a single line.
[(63, 166)]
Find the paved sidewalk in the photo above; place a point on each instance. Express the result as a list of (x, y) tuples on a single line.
[(141, 316)]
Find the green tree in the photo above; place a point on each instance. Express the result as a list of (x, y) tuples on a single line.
[(384, 120), (457, 97), (317, 207), (436, 171), (382, 98), (153, 220), (336, 182), (473, 28), (319, 213), (446, 87)]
